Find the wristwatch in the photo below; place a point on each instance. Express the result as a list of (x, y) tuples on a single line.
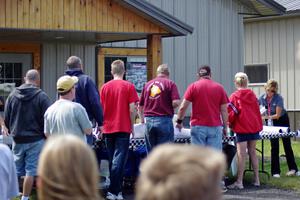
[(179, 121)]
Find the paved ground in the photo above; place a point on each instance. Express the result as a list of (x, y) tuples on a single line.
[(263, 192), (249, 193)]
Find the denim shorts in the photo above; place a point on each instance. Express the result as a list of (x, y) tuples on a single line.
[(26, 157), (247, 137), (207, 136)]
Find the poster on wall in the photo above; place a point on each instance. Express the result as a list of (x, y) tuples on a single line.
[(136, 72)]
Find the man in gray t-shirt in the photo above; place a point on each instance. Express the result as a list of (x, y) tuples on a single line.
[(9, 186), (65, 116)]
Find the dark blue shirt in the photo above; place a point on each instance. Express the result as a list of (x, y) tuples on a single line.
[(276, 101), (87, 95)]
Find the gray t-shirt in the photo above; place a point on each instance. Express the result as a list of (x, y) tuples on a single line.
[(66, 117), (9, 186)]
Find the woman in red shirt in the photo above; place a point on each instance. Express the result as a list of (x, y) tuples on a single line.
[(245, 120)]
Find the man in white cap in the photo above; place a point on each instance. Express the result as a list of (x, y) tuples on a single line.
[(65, 116)]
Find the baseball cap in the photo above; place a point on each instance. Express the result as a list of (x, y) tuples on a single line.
[(65, 83)]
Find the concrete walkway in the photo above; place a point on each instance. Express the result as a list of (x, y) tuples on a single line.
[(249, 193)]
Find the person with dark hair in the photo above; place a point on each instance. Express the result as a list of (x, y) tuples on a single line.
[(119, 99), (158, 100), (66, 116), (23, 116), (209, 105), (277, 116), (86, 93)]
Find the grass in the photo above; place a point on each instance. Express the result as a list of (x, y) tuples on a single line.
[(283, 182)]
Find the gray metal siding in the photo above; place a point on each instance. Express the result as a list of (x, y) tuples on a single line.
[(274, 42), (217, 40), (54, 56)]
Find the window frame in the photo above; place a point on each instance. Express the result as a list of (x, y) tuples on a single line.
[(258, 64)]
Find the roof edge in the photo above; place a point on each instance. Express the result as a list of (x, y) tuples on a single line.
[(271, 3), (176, 26), (268, 18)]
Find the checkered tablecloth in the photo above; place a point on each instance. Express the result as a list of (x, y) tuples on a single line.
[(270, 135), (265, 134), (135, 142)]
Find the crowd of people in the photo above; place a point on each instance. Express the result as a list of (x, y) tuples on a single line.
[(66, 167)]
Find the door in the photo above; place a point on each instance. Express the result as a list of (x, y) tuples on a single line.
[(13, 67)]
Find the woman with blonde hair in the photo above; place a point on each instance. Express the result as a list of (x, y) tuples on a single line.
[(181, 172), (244, 119), (67, 170), (277, 116)]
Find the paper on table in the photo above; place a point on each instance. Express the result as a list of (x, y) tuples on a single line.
[(184, 133), (275, 129), (139, 131)]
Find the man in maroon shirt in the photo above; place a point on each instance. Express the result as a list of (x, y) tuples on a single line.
[(158, 100)]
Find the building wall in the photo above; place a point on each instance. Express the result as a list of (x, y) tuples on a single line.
[(54, 56), (216, 40), (275, 42)]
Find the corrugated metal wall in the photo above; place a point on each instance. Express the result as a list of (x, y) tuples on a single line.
[(54, 56), (275, 42), (217, 40)]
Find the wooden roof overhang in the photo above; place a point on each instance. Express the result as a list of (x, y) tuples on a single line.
[(96, 21)]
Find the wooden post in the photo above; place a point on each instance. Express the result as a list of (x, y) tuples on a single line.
[(154, 55)]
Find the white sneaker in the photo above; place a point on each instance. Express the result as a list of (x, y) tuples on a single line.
[(276, 175), (298, 173), (111, 196), (120, 196), (291, 173)]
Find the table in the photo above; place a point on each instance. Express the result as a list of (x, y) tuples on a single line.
[(268, 132), (136, 142)]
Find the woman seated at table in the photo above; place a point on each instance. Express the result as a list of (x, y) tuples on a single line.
[(276, 115), (245, 121)]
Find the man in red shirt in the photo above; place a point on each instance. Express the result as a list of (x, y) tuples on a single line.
[(158, 100), (209, 105), (118, 98)]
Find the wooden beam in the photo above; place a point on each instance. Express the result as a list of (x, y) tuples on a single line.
[(154, 55), (123, 52), (101, 68), (33, 48)]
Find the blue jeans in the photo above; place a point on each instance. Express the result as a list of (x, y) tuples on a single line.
[(117, 145), (90, 139), (207, 136), (158, 130), (26, 157)]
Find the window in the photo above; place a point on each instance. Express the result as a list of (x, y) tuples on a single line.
[(10, 77), (135, 66), (257, 73)]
